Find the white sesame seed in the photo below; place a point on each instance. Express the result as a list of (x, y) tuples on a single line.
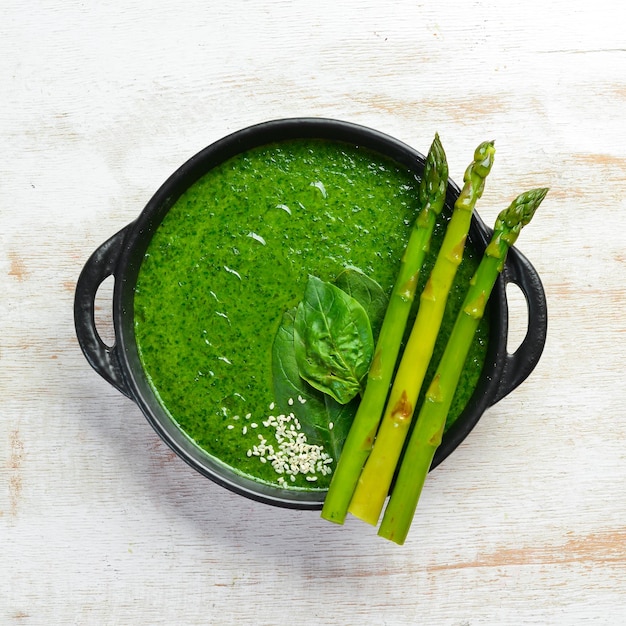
[(254, 425), (272, 406), (290, 401), (230, 427), (330, 426), (244, 430)]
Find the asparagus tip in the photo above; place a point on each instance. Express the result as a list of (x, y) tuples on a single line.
[(483, 159), (522, 209)]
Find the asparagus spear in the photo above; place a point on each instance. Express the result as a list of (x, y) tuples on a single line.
[(375, 480), (431, 195), (428, 430)]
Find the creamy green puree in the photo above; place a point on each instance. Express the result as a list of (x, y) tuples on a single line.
[(234, 253)]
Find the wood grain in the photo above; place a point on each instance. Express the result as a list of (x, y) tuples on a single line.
[(99, 522)]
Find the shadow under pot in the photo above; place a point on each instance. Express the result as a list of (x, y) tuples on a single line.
[(208, 274)]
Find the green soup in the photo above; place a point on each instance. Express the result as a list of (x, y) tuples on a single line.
[(235, 252)]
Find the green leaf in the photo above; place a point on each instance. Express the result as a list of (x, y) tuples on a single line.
[(333, 340), (341, 417), (318, 411), (366, 291)]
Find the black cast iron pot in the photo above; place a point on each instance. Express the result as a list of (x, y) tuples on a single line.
[(122, 254)]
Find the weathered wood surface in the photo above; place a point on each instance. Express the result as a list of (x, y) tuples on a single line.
[(100, 102)]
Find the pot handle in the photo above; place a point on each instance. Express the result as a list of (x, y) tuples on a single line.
[(100, 265), (519, 365)]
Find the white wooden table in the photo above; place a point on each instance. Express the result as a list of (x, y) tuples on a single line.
[(99, 523)]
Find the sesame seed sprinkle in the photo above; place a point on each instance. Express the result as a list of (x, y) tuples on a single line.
[(291, 455)]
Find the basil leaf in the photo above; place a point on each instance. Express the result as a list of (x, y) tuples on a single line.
[(289, 386), (368, 292), (324, 421), (333, 340), (341, 417)]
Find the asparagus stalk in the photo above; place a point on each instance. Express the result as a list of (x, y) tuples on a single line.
[(431, 196), (429, 427), (375, 480)]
